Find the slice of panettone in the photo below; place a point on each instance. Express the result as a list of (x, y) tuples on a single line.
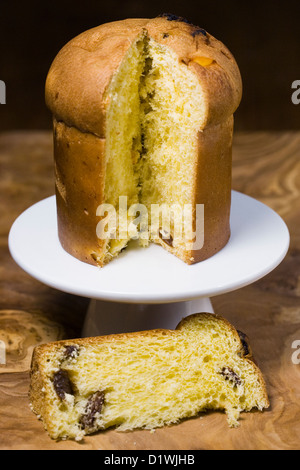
[(146, 379)]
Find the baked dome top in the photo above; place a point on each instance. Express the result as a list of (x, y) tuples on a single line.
[(81, 73)]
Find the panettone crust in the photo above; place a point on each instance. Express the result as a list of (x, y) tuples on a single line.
[(83, 69)]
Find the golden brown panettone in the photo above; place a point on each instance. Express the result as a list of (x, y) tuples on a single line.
[(145, 380), (143, 109)]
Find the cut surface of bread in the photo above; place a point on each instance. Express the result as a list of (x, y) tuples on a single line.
[(154, 115), (157, 98), (146, 379)]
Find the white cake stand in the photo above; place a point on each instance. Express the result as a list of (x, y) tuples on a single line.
[(147, 288)]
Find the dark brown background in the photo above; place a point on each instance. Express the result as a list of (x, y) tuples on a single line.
[(263, 35)]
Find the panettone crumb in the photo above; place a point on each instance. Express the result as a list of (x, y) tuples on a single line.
[(158, 105), (146, 380)]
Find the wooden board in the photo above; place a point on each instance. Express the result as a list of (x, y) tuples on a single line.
[(267, 167)]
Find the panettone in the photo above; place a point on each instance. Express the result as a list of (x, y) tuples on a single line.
[(145, 380), (143, 110)]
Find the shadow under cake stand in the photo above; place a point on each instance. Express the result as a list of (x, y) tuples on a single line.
[(149, 288)]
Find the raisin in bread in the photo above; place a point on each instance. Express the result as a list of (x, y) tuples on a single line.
[(145, 380), (143, 109)]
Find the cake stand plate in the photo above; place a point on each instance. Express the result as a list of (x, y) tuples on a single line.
[(147, 288)]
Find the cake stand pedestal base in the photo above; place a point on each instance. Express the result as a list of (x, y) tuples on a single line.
[(148, 288), (104, 318)]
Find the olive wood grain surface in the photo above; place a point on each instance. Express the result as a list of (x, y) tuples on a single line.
[(267, 167)]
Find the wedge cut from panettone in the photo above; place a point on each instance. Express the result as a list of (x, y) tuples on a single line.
[(146, 379)]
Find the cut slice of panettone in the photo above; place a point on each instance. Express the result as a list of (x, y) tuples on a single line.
[(146, 379)]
